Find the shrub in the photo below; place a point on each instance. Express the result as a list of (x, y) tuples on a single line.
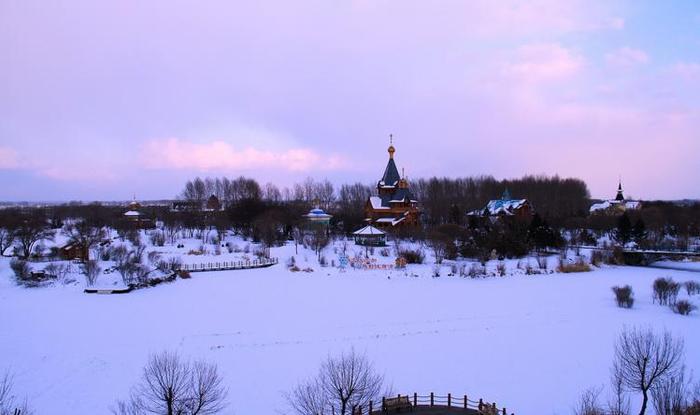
[(692, 287), (322, 261), (665, 291), (542, 262), (294, 268), (454, 269), (683, 307), (477, 270), (413, 256), (184, 274), (92, 270), (291, 261), (578, 266), (501, 268), (384, 252), (597, 258), (436, 271), (21, 270), (624, 296), (157, 238)]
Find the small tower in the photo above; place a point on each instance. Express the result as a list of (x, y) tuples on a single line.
[(620, 197)]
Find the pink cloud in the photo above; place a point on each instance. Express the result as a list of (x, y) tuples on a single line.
[(543, 62), (686, 70), (8, 158), (626, 57), (174, 153)]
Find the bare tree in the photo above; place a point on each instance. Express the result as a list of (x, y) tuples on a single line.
[(308, 398), (670, 396), (8, 401), (7, 237), (171, 386), (644, 359), (619, 403), (348, 381), (343, 383), (84, 235), (588, 403), (30, 231), (91, 270)]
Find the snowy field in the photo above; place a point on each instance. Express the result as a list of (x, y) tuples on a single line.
[(530, 343)]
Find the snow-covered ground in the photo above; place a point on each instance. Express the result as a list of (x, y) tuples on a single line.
[(532, 343)]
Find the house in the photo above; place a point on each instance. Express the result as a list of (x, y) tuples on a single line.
[(213, 204), (369, 236), (135, 218), (394, 204), (185, 206), (506, 206), (74, 251), (616, 206)]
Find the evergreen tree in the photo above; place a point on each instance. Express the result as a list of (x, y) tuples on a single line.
[(623, 232), (639, 232)]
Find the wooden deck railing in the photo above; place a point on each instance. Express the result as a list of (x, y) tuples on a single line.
[(229, 265), (433, 400)]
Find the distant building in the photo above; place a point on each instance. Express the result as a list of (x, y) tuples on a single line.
[(506, 206), (616, 206), (318, 216), (74, 251), (212, 204), (394, 204), (135, 218)]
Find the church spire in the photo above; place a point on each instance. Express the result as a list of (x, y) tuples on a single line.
[(619, 196)]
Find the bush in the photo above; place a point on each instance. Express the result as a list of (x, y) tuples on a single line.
[(157, 238), (477, 271), (184, 274), (291, 261), (413, 256), (21, 270), (692, 287), (578, 266), (683, 307), (501, 268), (384, 252), (92, 270), (665, 291), (597, 258), (322, 261), (624, 296)]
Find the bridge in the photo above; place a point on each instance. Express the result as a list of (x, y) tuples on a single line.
[(645, 257)]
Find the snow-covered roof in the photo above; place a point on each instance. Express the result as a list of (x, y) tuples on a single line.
[(317, 214), (623, 204), (132, 213), (504, 207), (369, 230), (376, 202)]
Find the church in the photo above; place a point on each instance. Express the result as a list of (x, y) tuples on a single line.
[(616, 206), (394, 205)]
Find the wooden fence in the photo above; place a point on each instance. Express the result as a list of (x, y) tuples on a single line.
[(416, 402), (229, 265)]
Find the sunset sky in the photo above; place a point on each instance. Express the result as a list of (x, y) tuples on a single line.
[(101, 100)]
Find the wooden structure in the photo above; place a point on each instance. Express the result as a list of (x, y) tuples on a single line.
[(430, 404), (74, 251), (229, 265), (394, 204), (369, 236)]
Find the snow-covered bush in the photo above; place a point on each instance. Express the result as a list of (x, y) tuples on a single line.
[(322, 261), (384, 252), (501, 268), (542, 262), (172, 264), (8, 403), (291, 261), (436, 270), (21, 270), (683, 307), (624, 296), (692, 287), (412, 256), (477, 270)]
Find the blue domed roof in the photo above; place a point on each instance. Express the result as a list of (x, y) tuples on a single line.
[(317, 211)]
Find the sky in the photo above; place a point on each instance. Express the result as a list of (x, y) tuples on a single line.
[(107, 100)]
